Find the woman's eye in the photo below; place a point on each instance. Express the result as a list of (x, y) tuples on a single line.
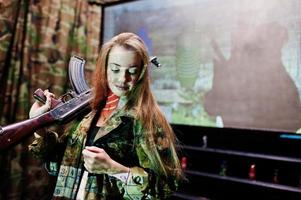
[(114, 69), (132, 71)]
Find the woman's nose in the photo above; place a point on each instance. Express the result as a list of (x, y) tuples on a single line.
[(125, 77)]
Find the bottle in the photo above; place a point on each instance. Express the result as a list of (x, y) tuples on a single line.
[(205, 141), (252, 172), (184, 163), (275, 176), (223, 168)]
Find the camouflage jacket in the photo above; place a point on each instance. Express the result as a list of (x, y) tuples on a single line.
[(124, 141)]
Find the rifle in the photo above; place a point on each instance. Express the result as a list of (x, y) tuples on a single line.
[(63, 110)]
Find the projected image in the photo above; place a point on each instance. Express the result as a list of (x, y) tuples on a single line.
[(227, 63)]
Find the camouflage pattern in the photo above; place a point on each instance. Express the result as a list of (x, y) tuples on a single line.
[(124, 140), (37, 38)]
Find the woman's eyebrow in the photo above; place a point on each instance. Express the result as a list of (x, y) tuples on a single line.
[(115, 64), (118, 65)]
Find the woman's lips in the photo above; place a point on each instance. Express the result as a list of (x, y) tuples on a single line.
[(122, 87)]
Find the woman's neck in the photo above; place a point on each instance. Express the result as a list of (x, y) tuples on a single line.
[(111, 105)]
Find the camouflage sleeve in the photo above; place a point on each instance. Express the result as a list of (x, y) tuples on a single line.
[(144, 181), (50, 146), (145, 184), (49, 149), (136, 184), (41, 146)]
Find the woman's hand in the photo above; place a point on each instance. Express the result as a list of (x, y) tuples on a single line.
[(38, 108), (97, 161)]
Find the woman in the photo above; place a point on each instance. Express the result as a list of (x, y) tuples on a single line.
[(124, 148)]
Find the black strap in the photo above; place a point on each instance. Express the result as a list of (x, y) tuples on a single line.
[(92, 130), (91, 134)]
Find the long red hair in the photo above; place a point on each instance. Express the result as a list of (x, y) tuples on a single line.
[(141, 99)]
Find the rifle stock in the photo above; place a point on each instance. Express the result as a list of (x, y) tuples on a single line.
[(11, 134)]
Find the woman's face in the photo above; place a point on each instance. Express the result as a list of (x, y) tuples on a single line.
[(123, 70)]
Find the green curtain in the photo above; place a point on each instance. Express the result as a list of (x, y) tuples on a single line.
[(37, 38)]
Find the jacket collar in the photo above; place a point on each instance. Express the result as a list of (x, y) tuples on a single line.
[(118, 116)]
